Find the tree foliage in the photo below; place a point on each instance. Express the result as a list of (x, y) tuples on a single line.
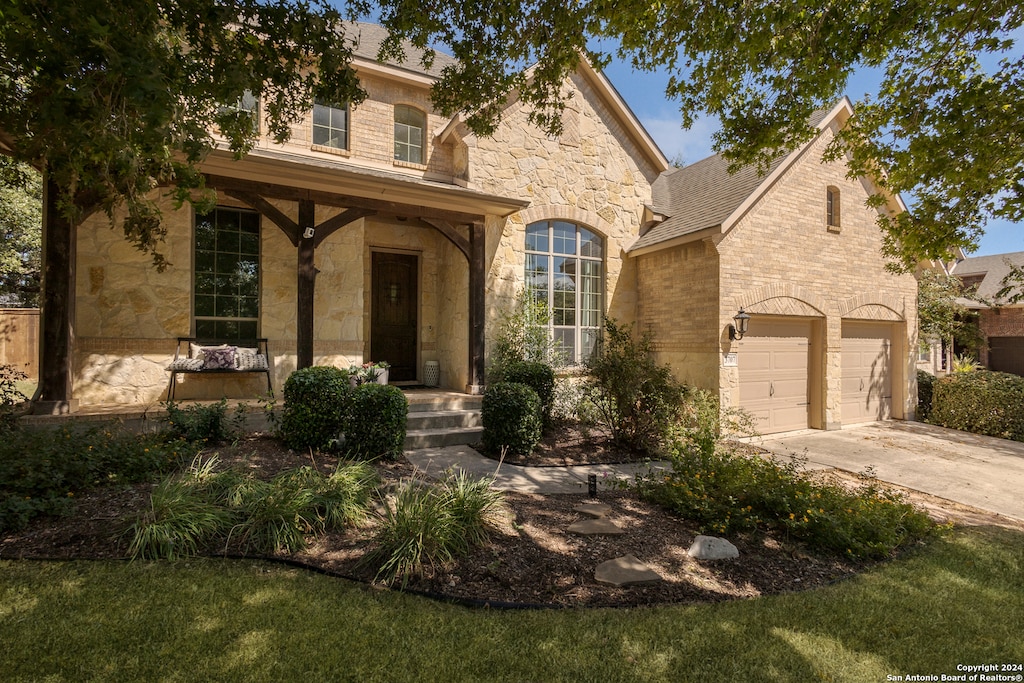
[(941, 313), (20, 234), (114, 98), (944, 124)]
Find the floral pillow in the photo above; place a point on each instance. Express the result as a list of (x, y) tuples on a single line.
[(219, 359)]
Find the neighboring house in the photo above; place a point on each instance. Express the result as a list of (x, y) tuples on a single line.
[(1001, 322), (387, 232)]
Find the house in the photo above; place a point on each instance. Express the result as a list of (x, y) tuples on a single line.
[(1000, 321), (387, 232)]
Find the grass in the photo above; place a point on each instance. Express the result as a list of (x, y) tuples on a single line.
[(959, 600)]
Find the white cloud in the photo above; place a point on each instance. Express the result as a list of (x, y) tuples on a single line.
[(693, 144)]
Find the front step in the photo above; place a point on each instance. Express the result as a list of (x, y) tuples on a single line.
[(435, 422)]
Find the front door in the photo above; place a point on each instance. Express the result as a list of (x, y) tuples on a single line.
[(393, 313)]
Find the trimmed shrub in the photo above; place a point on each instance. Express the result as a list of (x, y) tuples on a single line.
[(925, 387), (10, 397), (199, 423), (316, 401), (539, 377), (376, 422), (982, 402), (638, 400), (511, 414)]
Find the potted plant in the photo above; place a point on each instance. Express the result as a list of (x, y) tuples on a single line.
[(369, 372)]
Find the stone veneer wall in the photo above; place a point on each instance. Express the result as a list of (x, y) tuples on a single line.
[(781, 259), (593, 175), (678, 290)]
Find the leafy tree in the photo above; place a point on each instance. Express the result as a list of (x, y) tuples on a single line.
[(21, 218), (114, 98), (944, 125), (941, 313)]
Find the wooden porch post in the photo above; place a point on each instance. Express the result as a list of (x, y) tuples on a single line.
[(57, 333), (477, 307), (306, 285)]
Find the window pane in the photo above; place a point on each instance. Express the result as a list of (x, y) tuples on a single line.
[(565, 343), (537, 237), (564, 238), (590, 244), (588, 342), (410, 125)]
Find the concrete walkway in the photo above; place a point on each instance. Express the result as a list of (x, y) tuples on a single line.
[(980, 471), (433, 462)]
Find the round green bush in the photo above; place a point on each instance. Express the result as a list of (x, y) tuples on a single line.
[(316, 400), (538, 376), (511, 415), (376, 422)]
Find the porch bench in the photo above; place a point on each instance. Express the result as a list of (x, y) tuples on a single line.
[(206, 357)]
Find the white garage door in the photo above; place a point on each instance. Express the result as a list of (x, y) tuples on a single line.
[(773, 358), (867, 372)]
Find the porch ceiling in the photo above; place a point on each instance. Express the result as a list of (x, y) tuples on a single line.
[(280, 175)]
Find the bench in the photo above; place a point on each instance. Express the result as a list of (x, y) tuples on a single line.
[(212, 357)]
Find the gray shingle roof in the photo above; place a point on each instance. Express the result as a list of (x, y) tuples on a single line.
[(704, 194), (370, 37), (994, 267)]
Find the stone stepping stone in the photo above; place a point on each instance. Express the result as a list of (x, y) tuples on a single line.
[(712, 548), (596, 510), (596, 527), (625, 571)]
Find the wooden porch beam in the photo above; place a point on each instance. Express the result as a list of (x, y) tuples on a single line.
[(449, 231), (477, 306), (305, 287), (289, 227), (332, 225), (381, 206)]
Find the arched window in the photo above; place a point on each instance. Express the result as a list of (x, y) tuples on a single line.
[(410, 126), (832, 207), (565, 269)]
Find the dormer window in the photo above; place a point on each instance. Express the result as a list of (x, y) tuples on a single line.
[(832, 208), (410, 126), (330, 125)]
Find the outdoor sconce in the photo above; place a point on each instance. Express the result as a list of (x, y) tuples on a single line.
[(308, 233), (737, 331)]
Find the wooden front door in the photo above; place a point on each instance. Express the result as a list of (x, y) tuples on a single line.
[(393, 314)]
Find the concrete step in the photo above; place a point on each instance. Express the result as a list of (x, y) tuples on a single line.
[(443, 419), (427, 405), (439, 438)]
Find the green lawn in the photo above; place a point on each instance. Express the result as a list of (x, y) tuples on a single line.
[(959, 601)]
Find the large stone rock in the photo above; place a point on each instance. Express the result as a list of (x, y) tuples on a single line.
[(625, 571), (712, 548), (595, 510), (596, 527)]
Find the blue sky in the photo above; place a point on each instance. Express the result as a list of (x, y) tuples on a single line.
[(645, 94)]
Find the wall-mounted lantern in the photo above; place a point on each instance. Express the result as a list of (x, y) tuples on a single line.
[(737, 331)]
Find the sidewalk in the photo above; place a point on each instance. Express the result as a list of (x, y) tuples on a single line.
[(433, 462)]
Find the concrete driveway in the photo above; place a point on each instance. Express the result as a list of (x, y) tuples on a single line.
[(979, 471)]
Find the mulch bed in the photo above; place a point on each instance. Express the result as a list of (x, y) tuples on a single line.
[(530, 561)]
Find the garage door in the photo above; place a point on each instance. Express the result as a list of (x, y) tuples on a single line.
[(773, 358), (867, 372), (1006, 354)]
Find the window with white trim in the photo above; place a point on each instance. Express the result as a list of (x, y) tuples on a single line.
[(565, 270), (248, 104), (330, 125), (410, 127), (226, 283)]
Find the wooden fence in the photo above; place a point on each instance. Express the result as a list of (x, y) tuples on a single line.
[(19, 340)]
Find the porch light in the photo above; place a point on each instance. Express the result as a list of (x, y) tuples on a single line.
[(737, 331)]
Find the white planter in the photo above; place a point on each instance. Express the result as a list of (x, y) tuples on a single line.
[(431, 373)]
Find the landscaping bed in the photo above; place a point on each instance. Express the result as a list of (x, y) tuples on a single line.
[(531, 559)]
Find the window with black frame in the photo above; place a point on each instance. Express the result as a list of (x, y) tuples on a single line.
[(227, 275)]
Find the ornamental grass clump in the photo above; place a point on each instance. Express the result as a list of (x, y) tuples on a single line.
[(727, 492), (430, 525)]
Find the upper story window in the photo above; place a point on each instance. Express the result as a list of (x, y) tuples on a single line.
[(565, 269), (832, 207), (227, 274), (410, 127), (330, 126), (248, 104)]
